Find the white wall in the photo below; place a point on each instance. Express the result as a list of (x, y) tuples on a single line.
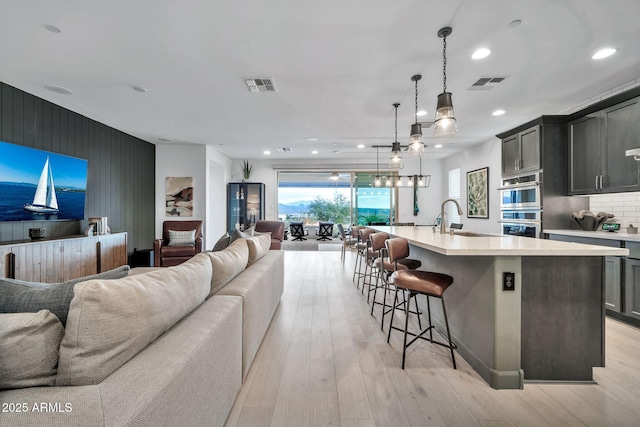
[(210, 171), (486, 154)]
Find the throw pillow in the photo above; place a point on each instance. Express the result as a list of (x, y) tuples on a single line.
[(227, 264), (250, 231), (30, 297), (112, 321), (29, 344), (237, 234), (258, 247), (182, 237), (222, 243)]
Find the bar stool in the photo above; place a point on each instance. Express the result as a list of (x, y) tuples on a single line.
[(426, 283), (376, 248), (395, 257), (362, 248)]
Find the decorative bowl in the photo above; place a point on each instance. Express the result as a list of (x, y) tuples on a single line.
[(37, 233)]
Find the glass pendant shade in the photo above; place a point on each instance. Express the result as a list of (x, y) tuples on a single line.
[(445, 123), (376, 181), (388, 181), (416, 145), (410, 182), (395, 161)]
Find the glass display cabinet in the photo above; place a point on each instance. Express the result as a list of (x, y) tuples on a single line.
[(245, 204)]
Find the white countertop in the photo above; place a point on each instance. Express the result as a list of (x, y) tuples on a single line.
[(494, 244), (608, 235)]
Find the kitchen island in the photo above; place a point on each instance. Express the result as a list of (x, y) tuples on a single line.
[(549, 326)]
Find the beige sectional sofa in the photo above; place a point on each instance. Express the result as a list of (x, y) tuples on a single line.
[(160, 347)]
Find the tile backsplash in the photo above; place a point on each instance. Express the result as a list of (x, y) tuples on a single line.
[(625, 206)]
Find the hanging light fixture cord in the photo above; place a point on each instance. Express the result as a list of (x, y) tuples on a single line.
[(396, 136), (444, 62), (416, 80)]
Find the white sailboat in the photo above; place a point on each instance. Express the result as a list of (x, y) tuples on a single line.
[(45, 200)]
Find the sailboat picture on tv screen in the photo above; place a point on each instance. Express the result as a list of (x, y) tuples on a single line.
[(37, 185)]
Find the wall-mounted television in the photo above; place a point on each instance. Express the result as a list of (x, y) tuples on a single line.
[(37, 185)]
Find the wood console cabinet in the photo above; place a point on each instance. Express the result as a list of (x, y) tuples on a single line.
[(58, 260)]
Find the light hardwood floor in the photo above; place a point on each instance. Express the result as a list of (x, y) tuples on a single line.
[(325, 362)]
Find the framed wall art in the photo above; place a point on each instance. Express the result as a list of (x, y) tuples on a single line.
[(477, 193), (179, 196)]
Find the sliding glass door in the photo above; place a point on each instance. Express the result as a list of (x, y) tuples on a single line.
[(340, 197), (372, 205)]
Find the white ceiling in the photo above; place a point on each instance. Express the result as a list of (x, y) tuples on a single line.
[(338, 65)]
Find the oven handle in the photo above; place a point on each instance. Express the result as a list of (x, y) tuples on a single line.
[(520, 186), (519, 222), (533, 209)]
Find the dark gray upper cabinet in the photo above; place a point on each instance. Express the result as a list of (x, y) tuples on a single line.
[(584, 155), (597, 145), (521, 152)]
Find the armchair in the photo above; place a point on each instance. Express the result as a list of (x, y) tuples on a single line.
[(297, 231), (325, 230), (276, 228), (166, 253)]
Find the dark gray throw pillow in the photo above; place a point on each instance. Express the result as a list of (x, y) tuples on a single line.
[(17, 296), (222, 243), (237, 234)]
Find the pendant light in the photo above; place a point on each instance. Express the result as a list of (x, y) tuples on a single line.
[(395, 161), (445, 123), (416, 146), (376, 181)]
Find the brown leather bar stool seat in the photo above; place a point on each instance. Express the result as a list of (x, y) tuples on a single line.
[(397, 253), (429, 284)]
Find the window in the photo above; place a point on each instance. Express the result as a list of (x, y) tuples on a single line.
[(454, 193)]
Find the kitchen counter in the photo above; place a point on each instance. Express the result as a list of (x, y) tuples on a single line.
[(607, 235), (548, 327), (464, 243)]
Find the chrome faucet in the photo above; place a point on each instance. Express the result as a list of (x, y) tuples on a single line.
[(442, 224)]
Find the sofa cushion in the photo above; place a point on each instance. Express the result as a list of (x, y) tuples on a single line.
[(258, 247), (110, 321), (222, 243), (227, 264), (29, 344), (30, 297), (179, 238)]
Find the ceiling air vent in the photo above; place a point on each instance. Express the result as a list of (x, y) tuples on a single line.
[(426, 124), (487, 83), (284, 150), (260, 84)]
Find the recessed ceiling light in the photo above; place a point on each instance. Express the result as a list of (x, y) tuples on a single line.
[(603, 53), (421, 113), (515, 23), (59, 89), (360, 145), (498, 112), (311, 139), (164, 139), (314, 152), (438, 146), (481, 53), (267, 152), (52, 28), (140, 89)]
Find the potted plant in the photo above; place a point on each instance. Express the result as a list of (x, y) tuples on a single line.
[(247, 170)]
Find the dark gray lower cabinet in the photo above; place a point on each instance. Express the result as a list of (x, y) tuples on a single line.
[(632, 289), (613, 283)]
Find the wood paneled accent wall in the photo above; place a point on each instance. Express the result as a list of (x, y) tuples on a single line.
[(121, 178)]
